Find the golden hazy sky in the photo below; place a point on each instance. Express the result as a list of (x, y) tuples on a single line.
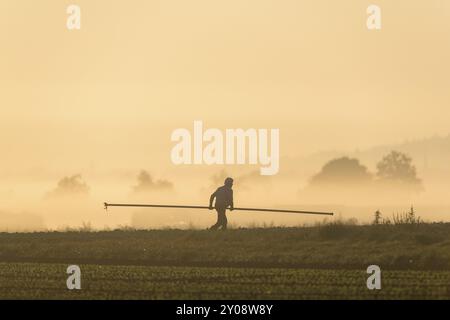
[(112, 92), (102, 101)]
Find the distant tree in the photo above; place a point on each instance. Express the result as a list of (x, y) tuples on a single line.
[(146, 183), (398, 167), (342, 170), (72, 185), (412, 214), (377, 219)]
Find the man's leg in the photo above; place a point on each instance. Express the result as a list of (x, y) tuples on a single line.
[(218, 223), (223, 218)]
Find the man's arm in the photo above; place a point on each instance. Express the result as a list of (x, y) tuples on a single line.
[(211, 199), (231, 201)]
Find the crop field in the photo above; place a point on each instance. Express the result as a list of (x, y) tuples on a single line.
[(48, 281), (324, 262)]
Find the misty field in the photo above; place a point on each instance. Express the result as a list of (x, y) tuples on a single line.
[(323, 262)]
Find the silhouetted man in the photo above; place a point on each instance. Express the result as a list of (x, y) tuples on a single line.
[(224, 199)]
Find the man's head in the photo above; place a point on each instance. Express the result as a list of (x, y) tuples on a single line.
[(228, 182)]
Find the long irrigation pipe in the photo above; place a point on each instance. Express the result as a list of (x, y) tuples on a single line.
[(205, 207)]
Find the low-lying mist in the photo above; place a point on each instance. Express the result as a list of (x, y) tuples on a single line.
[(342, 185)]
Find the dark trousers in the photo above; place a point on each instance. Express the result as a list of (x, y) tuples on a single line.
[(221, 219)]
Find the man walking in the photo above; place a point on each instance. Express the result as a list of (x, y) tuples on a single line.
[(224, 199)]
